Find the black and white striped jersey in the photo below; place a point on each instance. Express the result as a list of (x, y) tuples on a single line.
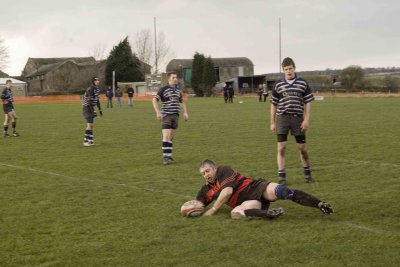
[(171, 98), (91, 96), (7, 95), (290, 96)]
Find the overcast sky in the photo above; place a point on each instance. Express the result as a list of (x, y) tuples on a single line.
[(317, 34)]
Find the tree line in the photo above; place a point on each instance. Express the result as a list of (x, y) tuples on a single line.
[(204, 76)]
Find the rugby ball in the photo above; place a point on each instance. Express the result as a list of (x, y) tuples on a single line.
[(192, 208)]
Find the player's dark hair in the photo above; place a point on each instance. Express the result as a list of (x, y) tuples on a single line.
[(8, 81), (171, 73), (287, 61), (207, 162)]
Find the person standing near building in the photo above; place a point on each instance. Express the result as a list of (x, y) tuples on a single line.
[(8, 107), (91, 99), (291, 110), (172, 100), (265, 91), (130, 96), (231, 92), (109, 95), (225, 90), (260, 92), (118, 96)]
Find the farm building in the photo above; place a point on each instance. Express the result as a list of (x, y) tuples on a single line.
[(225, 68)]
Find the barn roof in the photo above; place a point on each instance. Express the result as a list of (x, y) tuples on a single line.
[(3, 74), (45, 61), (45, 69)]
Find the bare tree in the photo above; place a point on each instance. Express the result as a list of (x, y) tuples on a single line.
[(98, 51), (143, 46), (162, 54), (144, 49), (3, 54)]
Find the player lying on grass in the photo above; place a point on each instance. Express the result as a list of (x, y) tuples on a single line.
[(246, 196)]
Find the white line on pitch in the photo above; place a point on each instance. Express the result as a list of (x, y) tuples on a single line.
[(95, 181), (369, 229)]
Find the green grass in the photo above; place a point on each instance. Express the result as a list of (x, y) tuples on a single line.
[(115, 204)]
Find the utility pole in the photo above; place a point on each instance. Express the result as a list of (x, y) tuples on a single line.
[(113, 82), (155, 45), (280, 47)]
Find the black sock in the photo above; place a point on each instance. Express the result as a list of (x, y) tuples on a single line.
[(14, 125), (256, 213), (307, 171), (5, 128), (305, 199), (88, 136), (167, 149), (282, 174)]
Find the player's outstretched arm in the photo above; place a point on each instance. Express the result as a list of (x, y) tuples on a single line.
[(221, 200)]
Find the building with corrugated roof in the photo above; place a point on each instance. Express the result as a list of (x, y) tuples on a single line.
[(225, 68)]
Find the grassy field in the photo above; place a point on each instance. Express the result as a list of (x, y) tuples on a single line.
[(115, 204)]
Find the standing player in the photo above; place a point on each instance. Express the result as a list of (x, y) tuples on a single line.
[(89, 101), (171, 97), (8, 107), (291, 110), (246, 196)]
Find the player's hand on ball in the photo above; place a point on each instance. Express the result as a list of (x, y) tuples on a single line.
[(210, 212)]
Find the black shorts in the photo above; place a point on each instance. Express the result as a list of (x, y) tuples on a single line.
[(8, 107), (88, 114), (286, 123), (170, 121), (254, 191)]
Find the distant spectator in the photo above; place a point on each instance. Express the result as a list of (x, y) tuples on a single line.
[(231, 93), (118, 95), (225, 89), (260, 92), (265, 91), (109, 95), (130, 96)]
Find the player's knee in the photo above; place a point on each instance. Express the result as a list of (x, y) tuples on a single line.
[(300, 139), (281, 150), (284, 192), (236, 214)]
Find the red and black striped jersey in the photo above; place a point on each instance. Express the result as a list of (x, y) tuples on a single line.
[(225, 177)]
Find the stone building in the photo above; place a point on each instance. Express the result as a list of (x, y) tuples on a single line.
[(63, 75), (225, 68)]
